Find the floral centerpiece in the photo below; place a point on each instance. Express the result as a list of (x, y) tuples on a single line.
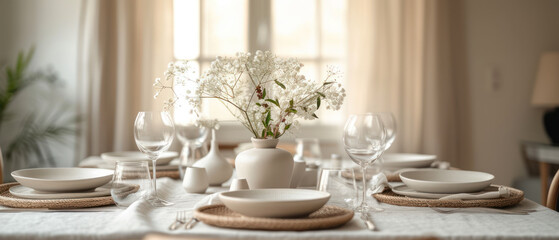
[(267, 94)]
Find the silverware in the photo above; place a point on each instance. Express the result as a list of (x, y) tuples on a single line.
[(191, 223), (482, 210), (180, 219)]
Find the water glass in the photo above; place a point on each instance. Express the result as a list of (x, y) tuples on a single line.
[(340, 183), (309, 150), (131, 181)]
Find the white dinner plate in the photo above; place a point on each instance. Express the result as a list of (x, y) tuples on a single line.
[(26, 192), (407, 160), (63, 179), (409, 192), (274, 203), (112, 157), (446, 181)]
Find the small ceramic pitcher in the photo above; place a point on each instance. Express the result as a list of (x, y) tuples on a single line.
[(239, 184), (195, 180)]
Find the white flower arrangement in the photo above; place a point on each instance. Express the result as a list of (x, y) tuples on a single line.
[(267, 94)]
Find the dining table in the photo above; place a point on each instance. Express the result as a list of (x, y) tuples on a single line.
[(394, 222)]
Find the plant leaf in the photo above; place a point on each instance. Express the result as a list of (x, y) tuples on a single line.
[(321, 94), (327, 83), (291, 110), (317, 103), (264, 93), (287, 127), (268, 118), (314, 115), (263, 132), (291, 103), (280, 84), (273, 101), (258, 104)]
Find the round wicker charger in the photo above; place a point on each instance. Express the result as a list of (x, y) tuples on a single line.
[(9, 200), (324, 218), (392, 198), (174, 174)]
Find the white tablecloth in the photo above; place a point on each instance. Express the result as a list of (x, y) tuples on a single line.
[(394, 223)]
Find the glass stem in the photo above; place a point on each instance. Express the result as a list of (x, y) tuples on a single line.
[(364, 203), (154, 177)]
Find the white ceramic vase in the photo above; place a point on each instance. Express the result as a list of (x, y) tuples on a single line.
[(265, 166), (217, 167)]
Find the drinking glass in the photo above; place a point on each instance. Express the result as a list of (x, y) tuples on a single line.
[(364, 137), (340, 183), (153, 132), (131, 181), (192, 138), (309, 149), (389, 123)]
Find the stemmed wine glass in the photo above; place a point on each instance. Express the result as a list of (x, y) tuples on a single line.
[(364, 138), (389, 123), (154, 132), (190, 135)]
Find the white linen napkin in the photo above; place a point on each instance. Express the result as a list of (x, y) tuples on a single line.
[(501, 192), (208, 200)]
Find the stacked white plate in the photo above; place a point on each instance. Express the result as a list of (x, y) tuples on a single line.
[(437, 181), (127, 156), (59, 183), (407, 160)]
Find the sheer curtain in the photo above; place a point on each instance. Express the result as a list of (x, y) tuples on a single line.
[(399, 62), (124, 46)]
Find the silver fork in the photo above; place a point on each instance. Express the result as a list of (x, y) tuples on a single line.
[(180, 219)]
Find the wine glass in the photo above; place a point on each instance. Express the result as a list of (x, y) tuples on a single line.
[(154, 132), (309, 150), (192, 137), (389, 123), (364, 138)]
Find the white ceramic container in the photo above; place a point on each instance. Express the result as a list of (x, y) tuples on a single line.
[(274, 203), (446, 181), (239, 184), (195, 180), (265, 166), (217, 167), (63, 179)]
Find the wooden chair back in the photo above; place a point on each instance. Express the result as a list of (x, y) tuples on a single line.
[(553, 192)]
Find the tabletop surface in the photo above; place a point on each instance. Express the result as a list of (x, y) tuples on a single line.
[(394, 222)]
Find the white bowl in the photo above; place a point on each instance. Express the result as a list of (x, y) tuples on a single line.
[(275, 203), (407, 160), (446, 181), (63, 179), (128, 156)]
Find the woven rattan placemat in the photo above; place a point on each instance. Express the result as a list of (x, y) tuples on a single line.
[(174, 174), (9, 200), (324, 218), (392, 198)]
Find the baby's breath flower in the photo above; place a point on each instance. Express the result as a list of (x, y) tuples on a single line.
[(266, 93)]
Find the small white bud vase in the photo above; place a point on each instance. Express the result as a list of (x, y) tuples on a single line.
[(195, 180), (217, 167), (265, 166)]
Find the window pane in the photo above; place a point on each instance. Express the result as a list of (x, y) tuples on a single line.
[(224, 27), (186, 28), (333, 17), (294, 28)]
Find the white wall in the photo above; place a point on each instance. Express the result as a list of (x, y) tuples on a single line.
[(497, 49), (52, 27)]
